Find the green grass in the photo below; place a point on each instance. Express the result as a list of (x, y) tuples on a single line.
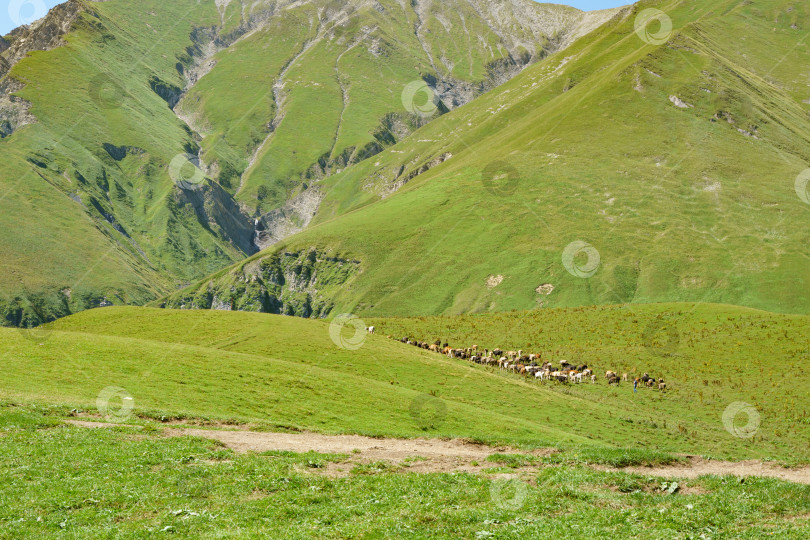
[(512, 460), (274, 373), (614, 457), (287, 373), (123, 483), (339, 63), (710, 355)]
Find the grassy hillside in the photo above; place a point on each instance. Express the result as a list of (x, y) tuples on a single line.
[(285, 374), (123, 187), (89, 207), (711, 356), (289, 373), (338, 71), (341, 81), (675, 161)]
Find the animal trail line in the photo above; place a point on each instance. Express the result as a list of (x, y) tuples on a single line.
[(449, 455)]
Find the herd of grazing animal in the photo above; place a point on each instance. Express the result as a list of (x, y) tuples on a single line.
[(531, 365), (644, 380)]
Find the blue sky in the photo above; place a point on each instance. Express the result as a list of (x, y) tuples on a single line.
[(16, 12), (588, 5)]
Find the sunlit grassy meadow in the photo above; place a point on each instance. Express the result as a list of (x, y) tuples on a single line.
[(288, 373), (61, 481)]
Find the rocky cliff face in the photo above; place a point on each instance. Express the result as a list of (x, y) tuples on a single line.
[(289, 283), (14, 111), (42, 35), (293, 217)]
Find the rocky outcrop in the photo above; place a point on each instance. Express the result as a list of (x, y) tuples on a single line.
[(403, 178), (14, 111), (590, 21), (289, 283), (41, 35), (168, 92), (454, 93), (291, 218), (119, 153)]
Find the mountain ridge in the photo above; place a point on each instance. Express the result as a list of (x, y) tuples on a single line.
[(151, 199), (620, 170)]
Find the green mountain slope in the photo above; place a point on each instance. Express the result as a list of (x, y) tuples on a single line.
[(97, 214), (619, 170), (348, 79), (125, 128)]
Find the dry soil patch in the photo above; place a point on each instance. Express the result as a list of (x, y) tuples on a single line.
[(442, 455)]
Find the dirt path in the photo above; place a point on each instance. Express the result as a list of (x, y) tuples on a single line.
[(437, 455), (698, 467)]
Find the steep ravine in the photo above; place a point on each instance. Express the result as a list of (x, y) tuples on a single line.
[(451, 93), (533, 38)]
